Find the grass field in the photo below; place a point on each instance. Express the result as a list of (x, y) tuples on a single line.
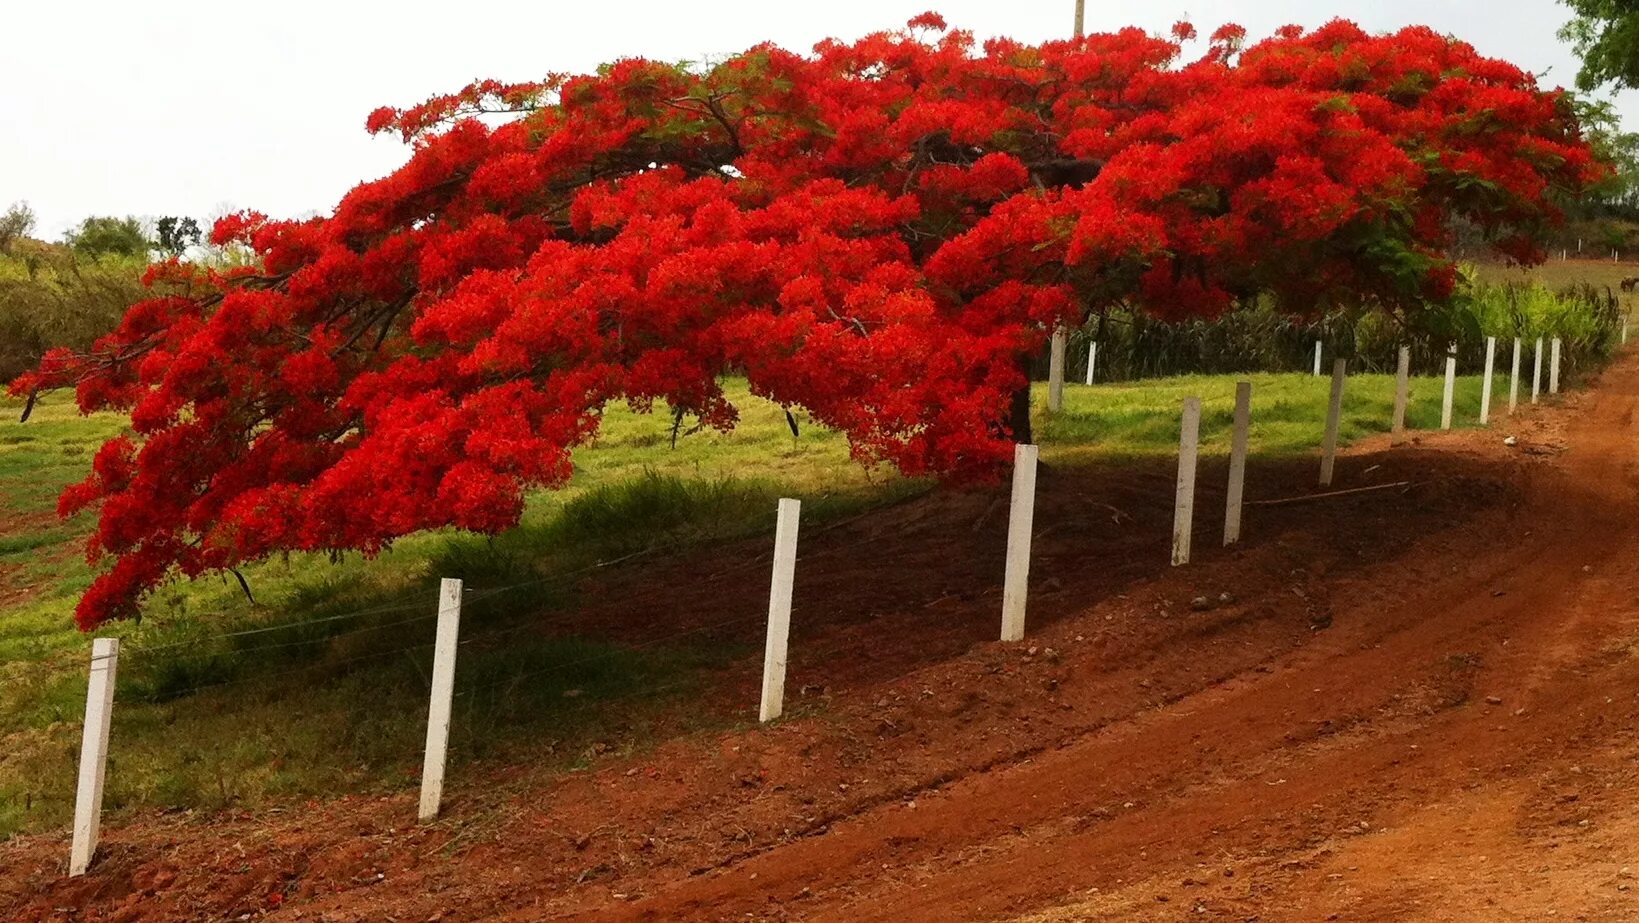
[(1557, 273), (335, 701), (1288, 411)]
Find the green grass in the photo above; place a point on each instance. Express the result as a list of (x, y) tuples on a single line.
[(335, 701), (1558, 274), (1288, 411)]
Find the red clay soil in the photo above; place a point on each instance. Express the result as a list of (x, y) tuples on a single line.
[(1414, 703)]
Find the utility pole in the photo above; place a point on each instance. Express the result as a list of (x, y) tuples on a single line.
[(1061, 337)]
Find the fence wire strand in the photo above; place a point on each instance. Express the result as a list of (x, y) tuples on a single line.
[(596, 658), (471, 595), (171, 694), (284, 626)]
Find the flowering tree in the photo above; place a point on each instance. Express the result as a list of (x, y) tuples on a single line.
[(874, 233)]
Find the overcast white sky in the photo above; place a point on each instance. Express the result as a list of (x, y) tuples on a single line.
[(115, 107)]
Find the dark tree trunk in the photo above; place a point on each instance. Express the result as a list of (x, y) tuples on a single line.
[(1018, 417)]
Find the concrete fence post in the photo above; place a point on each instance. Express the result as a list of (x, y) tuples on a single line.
[(1553, 367), (1237, 462), (780, 589), (1317, 358), (447, 638), (1020, 521), (1334, 418), (1055, 371), (1092, 360), (1402, 396), (99, 714), (1536, 373), (1183, 508), (1450, 389), (1513, 380), (1485, 385)]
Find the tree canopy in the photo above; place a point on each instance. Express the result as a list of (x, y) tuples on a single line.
[(100, 236), (173, 235), (1617, 191), (16, 224), (874, 233), (1606, 36)]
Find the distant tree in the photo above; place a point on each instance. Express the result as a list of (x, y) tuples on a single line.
[(224, 255), (175, 235), (15, 225), (97, 237), (1618, 192), (1606, 36)]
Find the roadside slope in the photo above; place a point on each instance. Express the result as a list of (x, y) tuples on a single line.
[(1159, 728), (1451, 749)]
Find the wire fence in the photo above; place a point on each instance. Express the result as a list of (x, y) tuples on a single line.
[(471, 595), (165, 673), (396, 630)]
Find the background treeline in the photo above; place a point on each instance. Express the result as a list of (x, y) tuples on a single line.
[(1606, 217), (1587, 318), (50, 296), (72, 292)]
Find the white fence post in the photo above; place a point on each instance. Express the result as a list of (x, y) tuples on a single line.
[(446, 638), (1402, 396), (1021, 518), (1237, 462), (1450, 389), (1183, 509), (1536, 373), (1553, 367), (1334, 417), (1485, 386), (99, 713), (1092, 360), (1513, 380), (1055, 371), (779, 610), (1317, 358)]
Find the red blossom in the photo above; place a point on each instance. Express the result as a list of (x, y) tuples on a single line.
[(874, 233), (929, 20), (237, 227)]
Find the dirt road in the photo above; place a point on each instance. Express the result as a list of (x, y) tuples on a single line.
[(1412, 704)]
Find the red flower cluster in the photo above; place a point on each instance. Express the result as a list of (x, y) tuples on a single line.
[(875, 233)]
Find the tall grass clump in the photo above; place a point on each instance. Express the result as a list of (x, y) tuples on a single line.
[(1587, 319)]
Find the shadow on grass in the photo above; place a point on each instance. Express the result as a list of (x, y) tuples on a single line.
[(328, 693)]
